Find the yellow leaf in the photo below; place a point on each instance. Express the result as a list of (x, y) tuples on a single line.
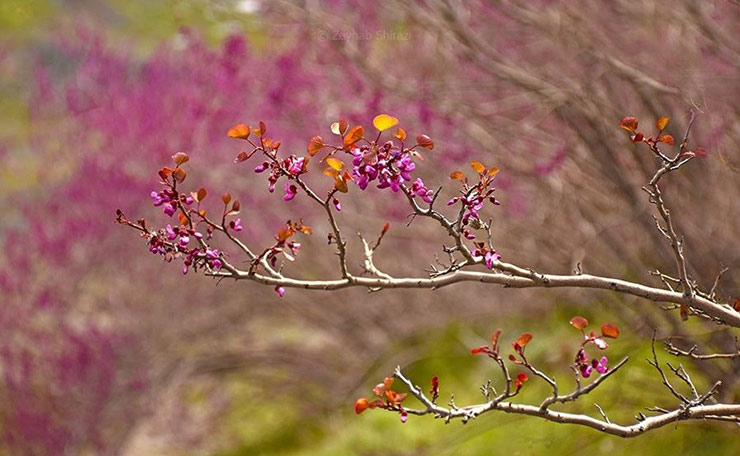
[(383, 122), (661, 123), (458, 175), (493, 171), (333, 173), (334, 163), (400, 134)]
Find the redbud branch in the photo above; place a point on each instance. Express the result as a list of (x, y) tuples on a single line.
[(723, 412), (691, 353), (718, 312), (585, 390)]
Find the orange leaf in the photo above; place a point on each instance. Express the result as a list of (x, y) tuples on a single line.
[(458, 175), (354, 135), (386, 227), (661, 123), (493, 171), (384, 121), (261, 130), (361, 405), (341, 185), (578, 322), (668, 139), (736, 305), (629, 123), (609, 330), (331, 172), (425, 142), (180, 158), (201, 194), (179, 174), (315, 145), (235, 207), (226, 197), (524, 339), (240, 131), (478, 167), (400, 134), (334, 163)]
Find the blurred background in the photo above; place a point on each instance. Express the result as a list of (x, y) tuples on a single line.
[(105, 349)]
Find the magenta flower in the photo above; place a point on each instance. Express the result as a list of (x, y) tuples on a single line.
[(295, 166), (280, 291), (290, 191), (171, 234), (236, 225), (169, 209), (490, 257), (600, 366)]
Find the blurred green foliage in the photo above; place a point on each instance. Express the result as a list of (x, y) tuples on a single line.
[(277, 427)]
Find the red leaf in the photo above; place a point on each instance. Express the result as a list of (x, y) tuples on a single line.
[(494, 339), (201, 194), (736, 305), (243, 156), (386, 227), (425, 142), (361, 405), (481, 349), (609, 330), (638, 137), (629, 123), (578, 322), (522, 377), (343, 126)]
